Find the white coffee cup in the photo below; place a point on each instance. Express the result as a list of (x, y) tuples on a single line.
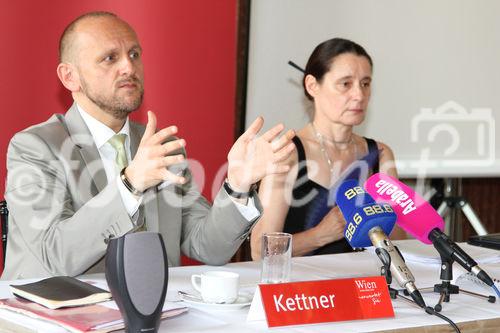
[(217, 286)]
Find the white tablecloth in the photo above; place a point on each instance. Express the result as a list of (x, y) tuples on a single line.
[(461, 308)]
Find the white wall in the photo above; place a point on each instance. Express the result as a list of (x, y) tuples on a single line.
[(426, 53)]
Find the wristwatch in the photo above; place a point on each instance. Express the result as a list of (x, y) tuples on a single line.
[(128, 184), (236, 194)]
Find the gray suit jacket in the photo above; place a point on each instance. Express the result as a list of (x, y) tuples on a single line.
[(62, 209)]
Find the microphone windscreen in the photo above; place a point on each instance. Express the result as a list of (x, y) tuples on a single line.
[(351, 196), (362, 213), (415, 215)]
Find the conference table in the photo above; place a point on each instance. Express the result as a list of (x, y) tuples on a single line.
[(471, 314)]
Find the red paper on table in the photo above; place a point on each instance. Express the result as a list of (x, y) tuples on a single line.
[(309, 302), (87, 318)]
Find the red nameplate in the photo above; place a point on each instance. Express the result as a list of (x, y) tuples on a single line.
[(323, 301)]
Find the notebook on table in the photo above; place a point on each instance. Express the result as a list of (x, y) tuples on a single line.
[(60, 291)]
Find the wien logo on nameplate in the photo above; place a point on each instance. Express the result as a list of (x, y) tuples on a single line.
[(310, 302)]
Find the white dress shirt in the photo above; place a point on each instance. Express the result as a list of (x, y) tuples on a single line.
[(102, 133)]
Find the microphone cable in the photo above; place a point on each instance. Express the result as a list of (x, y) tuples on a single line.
[(496, 290), (386, 261), (430, 310)]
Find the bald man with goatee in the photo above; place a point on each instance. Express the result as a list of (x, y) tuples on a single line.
[(79, 179)]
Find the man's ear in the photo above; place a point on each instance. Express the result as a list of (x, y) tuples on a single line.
[(69, 77), (311, 85)]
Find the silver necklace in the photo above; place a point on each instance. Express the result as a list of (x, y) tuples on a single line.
[(321, 140)]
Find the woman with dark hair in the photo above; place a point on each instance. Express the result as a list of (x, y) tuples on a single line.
[(337, 79)]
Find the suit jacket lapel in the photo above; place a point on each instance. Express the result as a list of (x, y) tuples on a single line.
[(82, 138)]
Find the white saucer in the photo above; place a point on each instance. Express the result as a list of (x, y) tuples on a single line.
[(244, 299)]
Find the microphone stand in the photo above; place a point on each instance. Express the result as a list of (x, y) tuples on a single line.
[(446, 288), (453, 201), (385, 271)]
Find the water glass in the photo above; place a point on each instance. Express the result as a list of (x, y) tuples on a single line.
[(276, 257)]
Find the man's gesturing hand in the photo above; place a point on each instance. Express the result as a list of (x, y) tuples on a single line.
[(154, 155), (252, 158)]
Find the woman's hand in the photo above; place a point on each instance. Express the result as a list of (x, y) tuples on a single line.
[(331, 227)]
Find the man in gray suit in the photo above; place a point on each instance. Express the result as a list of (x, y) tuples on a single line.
[(78, 179)]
